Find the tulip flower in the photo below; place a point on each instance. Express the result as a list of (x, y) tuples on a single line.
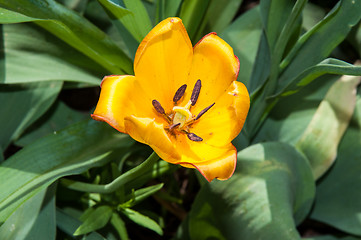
[(184, 102)]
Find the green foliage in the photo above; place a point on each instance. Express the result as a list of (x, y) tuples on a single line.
[(65, 176)]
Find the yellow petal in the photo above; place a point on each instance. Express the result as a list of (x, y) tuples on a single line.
[(223, 122), (215, 64), (122, 96), (163, 60), (148, 131), (212, 162)]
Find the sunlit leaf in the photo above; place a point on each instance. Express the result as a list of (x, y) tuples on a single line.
[(271, 191)]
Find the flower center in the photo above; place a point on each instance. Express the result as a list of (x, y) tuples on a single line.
[(181, 117)]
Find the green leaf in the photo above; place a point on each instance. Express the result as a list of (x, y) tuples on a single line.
[(244, 36), (171, 8), (221, 13), (327, 66), (142, 220), (273, 25), (69, 224), (134, 16), (143, 193), (95, 220), (192, 12), (7, 16), (31, 54), (315, 45), (22, 105), (320, 140), (271, 191), (21, 221), (70, 151), (45, 224), (337, 199), (58, 117), (312, 14), (119, 225), (290, 116), (330, 237), (74, 30)]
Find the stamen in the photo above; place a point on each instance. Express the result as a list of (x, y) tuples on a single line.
[(203, 111), (194, 137), (179, 94), (196, 91), (173, 126), (158, 107)]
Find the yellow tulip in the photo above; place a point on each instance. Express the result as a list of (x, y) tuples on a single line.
[(184, 102)]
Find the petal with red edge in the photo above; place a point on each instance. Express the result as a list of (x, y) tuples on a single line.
[(122, 96), (220, 164), (163, 60), (215, 64), (224, 121)]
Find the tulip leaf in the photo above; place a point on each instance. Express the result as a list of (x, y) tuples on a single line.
[(95, 220), (191, 13), (141, 194), (20, 222), (221, 13), (7, 16), (337, 199), (271, 190), (142, 220), (274, 25), (329, 122), (74, 30), (244, 36), (31, 54), (290, 116), (317, 44), (68, 224), (327, 66), (67, 152), (58, 117), (132, 15), (22, 105), (330, 237)]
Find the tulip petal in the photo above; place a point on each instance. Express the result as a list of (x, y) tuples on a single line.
[(215, 64), (148, 131), (122, 96), (212, 162), (223, 122), (163, 60)]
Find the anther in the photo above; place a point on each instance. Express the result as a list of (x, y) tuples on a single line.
[(194, 137), (196, 91), (173, 126), (179, 93), (203, 111), (158, 107)]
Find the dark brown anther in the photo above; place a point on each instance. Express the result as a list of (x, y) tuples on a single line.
[(179, 93), (173, 126), (204, 111), (196, 91), (194, 137), (158, 107)]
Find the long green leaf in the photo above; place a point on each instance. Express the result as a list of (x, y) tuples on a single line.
[(74, 30), (320, 140), (337, 199), (271, 191), (22, 105), (315, 45), (132, 15), (67, 152), (31, 55)]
